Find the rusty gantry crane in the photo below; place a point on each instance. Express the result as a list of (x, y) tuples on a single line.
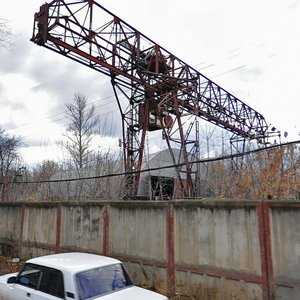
[(162, 92)]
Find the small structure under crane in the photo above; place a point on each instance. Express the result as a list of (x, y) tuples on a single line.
[(163, 92)]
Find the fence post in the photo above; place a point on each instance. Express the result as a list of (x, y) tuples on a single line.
[(22, 217), (58, 227), (105, 230), (264, 231), (268, 240), (170, 250)]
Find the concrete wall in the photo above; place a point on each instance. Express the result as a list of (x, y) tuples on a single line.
[(10, 227), (213, 245), (285, 250), (202, 249)]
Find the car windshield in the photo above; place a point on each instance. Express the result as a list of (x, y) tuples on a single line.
[(101, 281)]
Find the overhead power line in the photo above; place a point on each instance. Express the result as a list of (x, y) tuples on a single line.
[(224, 157)]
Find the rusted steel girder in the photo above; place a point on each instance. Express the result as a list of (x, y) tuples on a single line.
[(163, 92)]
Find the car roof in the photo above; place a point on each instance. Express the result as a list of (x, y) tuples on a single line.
[(73, 262)]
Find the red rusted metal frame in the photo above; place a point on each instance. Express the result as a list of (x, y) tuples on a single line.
[(221, 273), (167, 135), (269, 255), (185, 155), (263, 257), (142, 261), (264, 231), (131, 141), (105, 233), (141, 66), (220, 102), (58, 227), (287, 282), (237, 145), (170, 250), (22, 218), (134, 130), (184, 152), (180, 136), (201, 270)]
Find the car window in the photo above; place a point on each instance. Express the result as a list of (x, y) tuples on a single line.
[(101, 281), (30, 276), (52, 283), (41, 278)]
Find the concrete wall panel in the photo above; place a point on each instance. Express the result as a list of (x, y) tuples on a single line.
[(40, 224), (196, 286), (285, 226), (33, 251), (222, 237), (287, 293), (82, 227), (10, 222), (212, 249), (138, 232), (148, 275)]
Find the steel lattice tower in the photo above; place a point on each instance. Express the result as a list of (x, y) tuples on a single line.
[(162, 92)]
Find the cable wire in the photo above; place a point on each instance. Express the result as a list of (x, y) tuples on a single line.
[(231, 156)]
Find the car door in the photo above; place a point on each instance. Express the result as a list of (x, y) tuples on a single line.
[(19, 292), (26, 283), (37, 283)]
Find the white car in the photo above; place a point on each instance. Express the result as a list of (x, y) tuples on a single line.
[(70, 276)]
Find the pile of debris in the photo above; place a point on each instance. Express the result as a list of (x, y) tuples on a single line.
[(8, 265)]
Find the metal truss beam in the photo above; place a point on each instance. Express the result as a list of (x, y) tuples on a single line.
[(161, 89)]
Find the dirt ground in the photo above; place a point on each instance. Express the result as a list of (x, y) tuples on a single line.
[(7, 266)]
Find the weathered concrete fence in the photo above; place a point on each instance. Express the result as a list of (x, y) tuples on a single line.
[(209, 249)]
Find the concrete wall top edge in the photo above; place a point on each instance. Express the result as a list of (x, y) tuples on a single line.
[(215, 203), (16, 204), (46, 204), (136, 204), (284, 204), (205, 202)]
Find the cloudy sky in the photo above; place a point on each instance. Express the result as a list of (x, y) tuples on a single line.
[(249, 47)]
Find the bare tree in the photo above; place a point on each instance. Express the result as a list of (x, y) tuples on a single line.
[(82, 127), (9, 156), (44, 172), (269, 174), (9, 159)]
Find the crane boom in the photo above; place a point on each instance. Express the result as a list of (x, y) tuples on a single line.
[(161, 89)]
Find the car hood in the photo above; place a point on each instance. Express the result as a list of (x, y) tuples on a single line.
[(133, 292)]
